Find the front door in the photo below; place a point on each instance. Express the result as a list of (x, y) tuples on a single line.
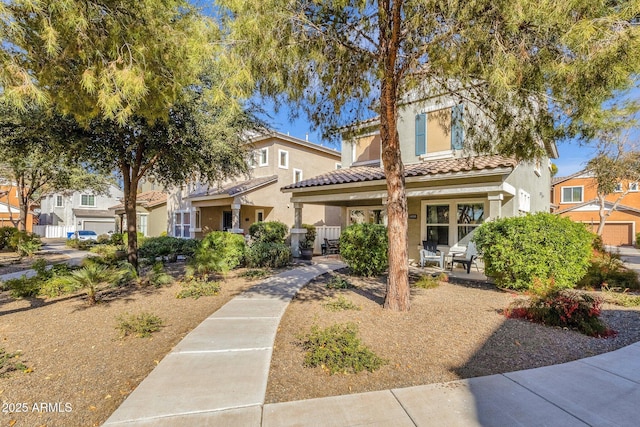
[(227, 220)]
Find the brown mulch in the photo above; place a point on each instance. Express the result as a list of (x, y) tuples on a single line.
[(452, 332), (80, 369)]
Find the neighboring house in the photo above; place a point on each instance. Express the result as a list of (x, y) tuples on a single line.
[(449, 191), (278, 160), (151, 210), (10, 208), (81, 210), (575, 197)]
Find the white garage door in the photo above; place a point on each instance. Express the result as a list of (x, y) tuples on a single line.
[(99, 227)]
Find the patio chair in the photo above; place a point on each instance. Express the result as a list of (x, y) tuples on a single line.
[(469, 257), (430, 253)]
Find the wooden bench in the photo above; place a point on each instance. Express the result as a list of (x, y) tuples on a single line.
[(331, 246)]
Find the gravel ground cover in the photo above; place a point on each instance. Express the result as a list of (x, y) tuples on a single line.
[(451, 332)]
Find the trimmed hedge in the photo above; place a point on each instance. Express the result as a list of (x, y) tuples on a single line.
[(520, 250), (364, 247), (219, 252), (268, 254), (269, 232)]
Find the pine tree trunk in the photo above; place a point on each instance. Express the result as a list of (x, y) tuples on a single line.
[(397, 294)]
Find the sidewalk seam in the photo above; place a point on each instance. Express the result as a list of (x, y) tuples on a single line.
[(403, 408)]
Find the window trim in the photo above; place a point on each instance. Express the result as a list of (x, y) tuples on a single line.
[(562, 200), (453, 215), (259, 211), (264, 150), (633, 190), (61, 198), (280, 153), (87, 205), (338, 165), (182, 224), (294, 175)]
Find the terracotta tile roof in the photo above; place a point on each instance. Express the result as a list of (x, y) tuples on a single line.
[(431, 167), (235, 188), (148, 199), (558, 179)]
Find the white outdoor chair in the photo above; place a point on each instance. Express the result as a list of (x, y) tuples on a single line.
[(469, 257), (431, 254)]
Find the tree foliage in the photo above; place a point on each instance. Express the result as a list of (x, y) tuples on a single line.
[(35, 158), (536, 69), (614, 174)]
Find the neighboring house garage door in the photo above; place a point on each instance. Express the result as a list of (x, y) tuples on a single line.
[(99, 227), (617, 234)]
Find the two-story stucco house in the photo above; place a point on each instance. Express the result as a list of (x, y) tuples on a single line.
[(450, 191), (575, 196), (279, 160), (10, 208), (81, 210)]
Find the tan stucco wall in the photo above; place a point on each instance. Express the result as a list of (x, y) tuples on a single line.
[(157, 222)]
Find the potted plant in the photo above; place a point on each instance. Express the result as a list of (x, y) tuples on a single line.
[(306, 244)]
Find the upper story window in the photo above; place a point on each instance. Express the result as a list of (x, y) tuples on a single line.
[(283, 159), (297, 175), (87, 200), (263, 157), (59, 202), (338, 165), (633, 186), (618, 188), (572, 194), (366, 149), (440, 130)]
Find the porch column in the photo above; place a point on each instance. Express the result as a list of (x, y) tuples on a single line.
[(235, 218), (297, 232), (495, 206)]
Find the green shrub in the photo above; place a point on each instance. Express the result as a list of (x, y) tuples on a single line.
[(156, 276), (83, 245), (139, 234), (620, 297), (159, 247), (427, 281), (23, 287), (542, 246), (141, 325), (364, 247), (198, 287), (6, 233), (103, 239), (338, 349), (308, 240), (265, 254), (218, 252), (107, 251), (341, 304), (638, 240), (566, 308), (269, 232), (26, 244), (606, 269), (337, 282), (117, 239)]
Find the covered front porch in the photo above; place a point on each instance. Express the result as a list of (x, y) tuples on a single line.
[(443, 206)]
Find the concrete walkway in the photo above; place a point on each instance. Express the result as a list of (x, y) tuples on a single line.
[(75, 258), (217, 376)]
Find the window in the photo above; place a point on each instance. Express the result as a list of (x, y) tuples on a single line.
[(439, 131), (197, 226), (283, 159), (252, 159), (524, 201), (263, 156), (470, 215), (338, 165), (618, 188), (142, 224), (457, 127), (572, 194), (59, 202), (421, 134), (87, 200), (633, 186), (259, 215), (182, 224), (438, 224), (537, 168), (297, 175)]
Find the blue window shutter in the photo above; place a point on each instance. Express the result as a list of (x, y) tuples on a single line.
[(421, 134), (457, 127)]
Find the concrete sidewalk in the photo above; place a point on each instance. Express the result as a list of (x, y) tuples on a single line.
[(75, 258), (217, 376)]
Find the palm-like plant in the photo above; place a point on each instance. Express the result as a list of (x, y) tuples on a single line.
[(93, 277)]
